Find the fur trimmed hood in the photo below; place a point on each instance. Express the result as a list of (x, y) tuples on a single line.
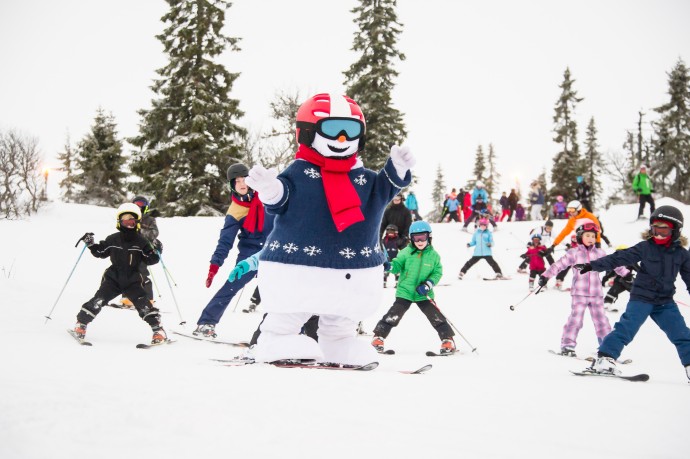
[(646, 235)]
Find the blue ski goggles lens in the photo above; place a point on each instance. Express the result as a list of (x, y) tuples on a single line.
[(331, 128), (420, 237)]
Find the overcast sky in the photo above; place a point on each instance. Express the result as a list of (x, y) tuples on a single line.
[(476, 72)]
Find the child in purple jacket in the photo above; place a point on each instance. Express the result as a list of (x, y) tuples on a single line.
[(586, 290)]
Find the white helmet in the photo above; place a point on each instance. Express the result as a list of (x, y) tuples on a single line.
[(128, 208), (574, 204), (479, 184)]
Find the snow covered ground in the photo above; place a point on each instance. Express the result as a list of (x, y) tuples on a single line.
[(510, 399)]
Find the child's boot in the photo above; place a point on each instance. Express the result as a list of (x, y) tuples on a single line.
[(377, 342), (159, 335), (447, 346), (605, 365), (80, 330)]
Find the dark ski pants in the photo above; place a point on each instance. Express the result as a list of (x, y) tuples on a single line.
[(132, 286), (489, 259), (310, 328), (256, 296), (666, 316), (533, 273), (216, 307), (614, 291), (395, 314), (643, 199)]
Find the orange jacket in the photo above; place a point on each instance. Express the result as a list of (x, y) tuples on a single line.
[(574, 222)]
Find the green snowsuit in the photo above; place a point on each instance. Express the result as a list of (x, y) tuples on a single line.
[(416, 267)]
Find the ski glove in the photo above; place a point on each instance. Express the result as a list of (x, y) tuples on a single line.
[(387, 266), (468, 245), (88, 239), (239, 270), (425, 288), (488, 244), (550, 249), (543, 281), (266, 183), (157, 245), (212, 271), (583, 267), (402, 159)]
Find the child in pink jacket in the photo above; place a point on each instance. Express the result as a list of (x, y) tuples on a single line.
[(586, 290)]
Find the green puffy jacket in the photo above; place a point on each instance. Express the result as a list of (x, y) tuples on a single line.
[(416, 267), (642, 184)]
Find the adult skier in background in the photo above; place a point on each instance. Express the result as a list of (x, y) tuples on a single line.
[(127, 249), (583, 193), (642, 186), (247, 221), (323, 257)]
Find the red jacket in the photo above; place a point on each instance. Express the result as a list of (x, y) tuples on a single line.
[(536, 258)]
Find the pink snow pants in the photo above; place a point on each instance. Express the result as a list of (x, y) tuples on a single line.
[(602, 327)]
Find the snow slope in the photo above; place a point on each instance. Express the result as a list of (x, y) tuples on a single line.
[(510, 399)]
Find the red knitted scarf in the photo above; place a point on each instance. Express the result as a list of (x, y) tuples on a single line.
[(254, 221), (341, 196)]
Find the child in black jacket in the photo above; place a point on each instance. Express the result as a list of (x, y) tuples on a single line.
[(662, 256), (127, 249)]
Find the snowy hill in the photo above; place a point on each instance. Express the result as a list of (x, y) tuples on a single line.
[(510, 399)]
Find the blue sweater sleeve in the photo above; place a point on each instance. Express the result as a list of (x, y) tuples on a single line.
[(226, 240)]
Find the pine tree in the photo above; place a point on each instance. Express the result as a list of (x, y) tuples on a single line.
[(67, 158), (671, 149), (567, 163), (189, 137), (369, 81), (280, 144), (479, 168), (493, 178), (437, 195), (593, 161), (100, 163)]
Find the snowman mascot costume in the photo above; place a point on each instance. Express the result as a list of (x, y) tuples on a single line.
[(323, 256)]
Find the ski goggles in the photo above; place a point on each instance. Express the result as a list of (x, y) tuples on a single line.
[(592, 227), (661, 229), (333, 128), (420, 237), (128, 222), (142, 205)]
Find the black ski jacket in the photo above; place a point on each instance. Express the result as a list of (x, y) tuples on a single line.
[(126, 252)]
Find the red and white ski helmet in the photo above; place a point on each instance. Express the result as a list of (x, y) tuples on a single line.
[(322, 106)]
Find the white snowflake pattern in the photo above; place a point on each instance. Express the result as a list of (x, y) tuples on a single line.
[(275, 245), (366, 251), (312, 173), (348, 253), (360, 180), (290, 247), (312, 250), (377, 249)]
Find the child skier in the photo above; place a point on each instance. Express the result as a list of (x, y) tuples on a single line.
[(619, 284), (545, 237), (419, 266), (482, 240), (126, 249), (662, 257), (535, 256), (392, 243), (586, 289)]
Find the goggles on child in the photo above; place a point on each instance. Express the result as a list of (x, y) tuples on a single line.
[(332, 128), (420, 237), (129, 222), (663, 231), (590, 227)]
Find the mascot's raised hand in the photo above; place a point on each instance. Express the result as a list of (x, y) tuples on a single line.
[(266, 183), (403, 159)]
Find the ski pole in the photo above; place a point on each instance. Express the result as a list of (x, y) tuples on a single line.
[(474, 349), (155, 284), (512, 306), (167, 278), (68, 278), (239, 297)]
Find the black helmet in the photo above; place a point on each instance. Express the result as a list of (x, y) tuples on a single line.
[(142, 202), (671, 215), (392, 228), (234, 171), (548, 223)]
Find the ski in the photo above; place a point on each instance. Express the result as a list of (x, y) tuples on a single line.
[(418, 371), (149, 346), (641, 377), (496, 278), (435, 354), (622, 362), (569, 356), (81, 341), (387, 352), (211, 340)]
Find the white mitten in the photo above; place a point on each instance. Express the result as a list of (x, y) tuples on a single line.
[(266, 182), (403, 159)]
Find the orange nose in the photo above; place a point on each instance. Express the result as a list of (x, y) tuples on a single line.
[(342, 138)]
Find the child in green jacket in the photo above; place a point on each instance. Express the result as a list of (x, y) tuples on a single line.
[(419, 266)]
